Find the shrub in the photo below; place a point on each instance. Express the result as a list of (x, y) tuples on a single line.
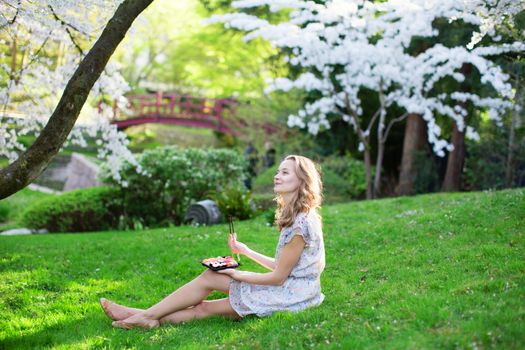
[(173, 179), (427, 178), (486, 161), (269, 216), (263, 183), (350, 170), (264, 201), (234, 201), (92, 209), (334, 185), (4, 213)]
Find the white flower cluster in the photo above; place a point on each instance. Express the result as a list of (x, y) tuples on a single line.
[(366, 44), (37, 81), (492, 14)]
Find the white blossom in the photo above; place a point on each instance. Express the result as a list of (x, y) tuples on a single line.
[(36, 84), (367, 42)]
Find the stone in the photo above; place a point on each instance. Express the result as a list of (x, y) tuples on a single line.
[(17, 231), (81, 173), (23, 231)]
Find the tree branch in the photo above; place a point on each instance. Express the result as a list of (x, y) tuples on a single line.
[(353, 114), (33, 162), (66, 27), (378, 112), (14, 17), (392, 122), (373, 120), (34, 56)]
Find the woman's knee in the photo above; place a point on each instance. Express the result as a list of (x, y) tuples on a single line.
[(206, 277), (202, 310), (206, 274), (215, 281)]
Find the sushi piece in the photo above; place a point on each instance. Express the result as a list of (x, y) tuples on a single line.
[(220, 263)]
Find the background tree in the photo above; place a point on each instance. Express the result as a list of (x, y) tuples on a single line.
[(33, 161), (502, 20), (511, 26), (347, 48)]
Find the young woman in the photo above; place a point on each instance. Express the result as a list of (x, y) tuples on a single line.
[(293, 283)]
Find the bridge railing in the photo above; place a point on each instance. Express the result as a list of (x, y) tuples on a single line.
[(174, 105)]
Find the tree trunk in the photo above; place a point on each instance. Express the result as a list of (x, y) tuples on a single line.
[(379, 166), (509, 167), (456, 159), (414, 140), (368, 172), (380, 146), (36, 158)]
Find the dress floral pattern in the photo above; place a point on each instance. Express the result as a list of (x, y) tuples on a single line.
[(302, 289)]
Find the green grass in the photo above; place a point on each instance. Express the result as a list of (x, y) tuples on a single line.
[(425, 272)]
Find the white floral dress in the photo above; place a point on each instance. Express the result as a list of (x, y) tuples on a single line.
[(302, 289)]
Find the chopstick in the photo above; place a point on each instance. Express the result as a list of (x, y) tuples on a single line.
[(232, 230)]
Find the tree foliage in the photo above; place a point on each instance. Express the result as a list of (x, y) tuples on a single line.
[(32, 162), (347, 47)]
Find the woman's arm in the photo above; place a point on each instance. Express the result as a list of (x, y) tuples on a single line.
[(261, 259), (241, 248), (289, 258)]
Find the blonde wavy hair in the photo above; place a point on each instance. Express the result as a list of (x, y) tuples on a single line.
[(307, 197)]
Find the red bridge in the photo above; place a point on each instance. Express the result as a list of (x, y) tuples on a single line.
[(171, 108)]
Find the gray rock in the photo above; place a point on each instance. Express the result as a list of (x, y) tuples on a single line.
[(81, 173), (23, 231), (17, 231)]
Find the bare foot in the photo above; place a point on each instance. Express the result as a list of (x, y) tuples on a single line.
[(138, 320), (115, 311)]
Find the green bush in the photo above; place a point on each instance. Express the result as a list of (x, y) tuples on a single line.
[(92, 209), (263, 183), (4, 212), (174, 179), (351, 171), (427, 178), (333, 184), (264, 201), (234, 201), (486, 161)]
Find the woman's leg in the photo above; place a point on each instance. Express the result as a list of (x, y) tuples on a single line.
[(190, 294), (116, 311), (205, 309)]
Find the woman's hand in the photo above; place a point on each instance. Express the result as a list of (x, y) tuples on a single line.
[(236, 246), (229, 272)]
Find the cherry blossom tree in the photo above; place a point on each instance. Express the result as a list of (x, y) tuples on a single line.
[(345, 47), (33, 81)]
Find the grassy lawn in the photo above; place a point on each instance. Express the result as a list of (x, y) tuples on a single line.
[(425, 272)]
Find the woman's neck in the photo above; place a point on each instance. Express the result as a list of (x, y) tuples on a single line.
[(287, 198)]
